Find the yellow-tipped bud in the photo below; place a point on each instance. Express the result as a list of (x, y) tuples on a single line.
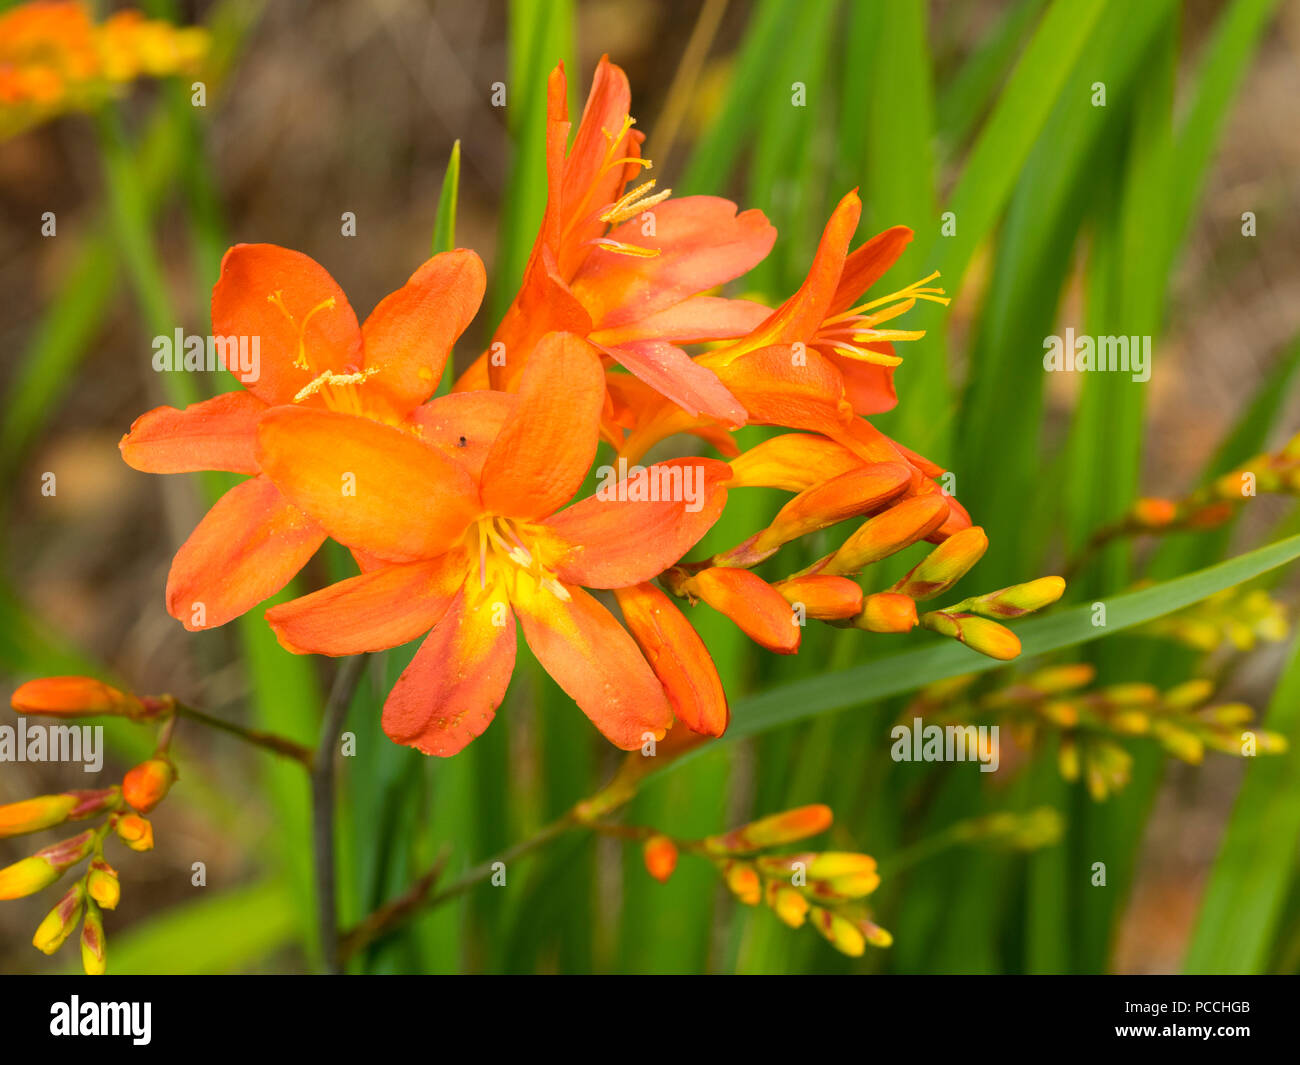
[(61, 921), (979, 634), (103, 885), (742, 878), (945, 565), (134, 831), (94, 954), (30, 875), (875, 935), (46, 811), (1016, 601), (147, 784), (886, 534), (857, 492), (789, 905), (841, 933)]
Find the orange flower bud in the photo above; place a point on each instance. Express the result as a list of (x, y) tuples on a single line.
[(979, 634), (792, 461), (859, 491), (744, 882), (774, 831), (30, 875), (678, 657), (887, 612), (945, 565), (886, 534), (94, 955), (103, 885), (74, 697), (59, 923), (1153, 513), (134, 831), (753, 604), (825, 598), (147, 784), (660, 855)]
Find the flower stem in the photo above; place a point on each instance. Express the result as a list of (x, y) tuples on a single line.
[(321, 766), (268, 741)]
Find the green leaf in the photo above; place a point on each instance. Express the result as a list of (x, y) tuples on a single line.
[(1256, 863), (444, 227)]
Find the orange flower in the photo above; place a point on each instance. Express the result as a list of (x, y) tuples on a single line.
[(313, 355), (466, 532), (627, 269)]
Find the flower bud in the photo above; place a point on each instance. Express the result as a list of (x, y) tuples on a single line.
[(74, 697), (742, 879), (792, 461), (30, 875), (857, 492), (134, 831), (103, 885), (1153, 513), (32, 815), (61, 921), (886, 534), (774, 831), (886, 612), (753, 604), (979, 634), (660, 855), (1016, 601), (945, 565), (787, 903), (147, 784), (824, 598), (94, 956), (842, 934), (678, 657)]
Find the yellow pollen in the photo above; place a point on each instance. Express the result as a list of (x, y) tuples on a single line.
[(633, 203), (344, 399)]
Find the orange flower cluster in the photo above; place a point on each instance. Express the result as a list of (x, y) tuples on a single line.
[(120, 808), (54, 58), (824, 888), (459, 510)]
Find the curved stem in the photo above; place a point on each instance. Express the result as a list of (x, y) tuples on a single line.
[(268, 741)]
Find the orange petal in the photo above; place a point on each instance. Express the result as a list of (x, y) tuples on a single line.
[(678, 657), (248, 546), (787, 386), (702, 243), (410, 334), (465, 424), (304, 322), (867, 264), (792, 461), (449, 693), (616, 538), (595, 661), (373, 487), (755, 606), (674, 374), (383, 608), (848, 495), (542, 455), (869, 387), (218, 434), (693, 321), (801, 316)]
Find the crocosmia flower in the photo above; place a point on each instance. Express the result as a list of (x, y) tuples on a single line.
[(463, 532), (314, 356)]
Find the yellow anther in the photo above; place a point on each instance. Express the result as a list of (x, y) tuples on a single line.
[(620, 248), (331, 379)]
